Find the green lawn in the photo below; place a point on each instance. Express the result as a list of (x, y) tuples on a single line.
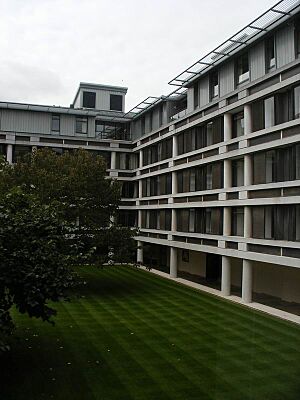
[(133, 335)]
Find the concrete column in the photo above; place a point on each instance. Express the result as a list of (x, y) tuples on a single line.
[(173, 262), (227, 174), (248, 170), (140, 189), (247, 281), (174, 220), (175, 146), (226, 221), (113, 160), (174, 183), (247, 118), (247, 222), (9, 153), (139, 222), (226, 276), (227, 127), (141, 158), (140, 252)]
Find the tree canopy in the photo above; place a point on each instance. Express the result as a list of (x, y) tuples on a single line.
[(56, 211)]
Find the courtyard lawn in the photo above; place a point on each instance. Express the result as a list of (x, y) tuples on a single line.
[(132, 335)]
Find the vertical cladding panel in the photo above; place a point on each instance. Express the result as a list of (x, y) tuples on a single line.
[(190, 99), (155, 123), (285, 46), (257, 61), (91, 127), (26, 121), (136, 129), (165, 116), (67, 125), (204, 91), (226, 78), (147, 122)]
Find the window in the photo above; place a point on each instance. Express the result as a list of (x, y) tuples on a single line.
[(116, 102), (297, 102), (237, 172), (196, 95), (242, 68), (238, 124), (55, 123), (214, 85), (89, 99), (297, 36), (81, 124), (269, 107), (237, 221), (270, 54)]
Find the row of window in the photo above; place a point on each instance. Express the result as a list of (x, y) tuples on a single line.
[(115, 101), (81, 124), (204, 177), (157, 185), (268, 222), (242, 68), (158, 152)]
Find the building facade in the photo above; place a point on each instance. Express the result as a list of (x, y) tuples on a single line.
[(210, 172)]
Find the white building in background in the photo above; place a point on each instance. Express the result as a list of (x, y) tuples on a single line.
[(210, 172)]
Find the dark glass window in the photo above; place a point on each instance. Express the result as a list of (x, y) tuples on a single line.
[(237, 221), (89, 99), (242, 68), (116, 102), (81, 124), (196, 95), (237, 172), (238, 124), (112, 130), (55, 123), (270, 53), (214, 85), (20, 151)]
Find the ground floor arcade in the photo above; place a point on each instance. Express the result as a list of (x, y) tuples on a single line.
[(270, 284)]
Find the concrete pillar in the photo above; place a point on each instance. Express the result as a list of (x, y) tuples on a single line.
[(227, 127), (247, 281), (139, 222), (248, 170), (174, 183), (9, 153), (173, 262), (140, 252), (113, 160), (226, 221), (140, 194), (175, 146), (227, 174), (141, 158), (226, 276), (247, 118), (247, 222), (174, 220)]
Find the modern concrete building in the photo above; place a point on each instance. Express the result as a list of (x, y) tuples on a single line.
[(211, 172)]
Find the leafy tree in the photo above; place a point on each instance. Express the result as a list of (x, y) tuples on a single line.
[(37, 251), (56, 211)]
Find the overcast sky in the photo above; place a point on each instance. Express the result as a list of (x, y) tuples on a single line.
[(49, 46)]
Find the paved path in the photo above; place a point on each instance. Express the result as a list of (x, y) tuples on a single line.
[(256, 306)]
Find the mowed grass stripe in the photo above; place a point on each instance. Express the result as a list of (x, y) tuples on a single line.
[(166, 341)]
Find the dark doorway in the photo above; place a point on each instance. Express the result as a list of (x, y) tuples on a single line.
[(213, 267)]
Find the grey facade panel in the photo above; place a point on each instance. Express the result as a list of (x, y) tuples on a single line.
[(226, 76), (204, 91), (25, 121), (257, 62), (147, 122), (155, 122), (67, 125), (285, 46), (190, 99)]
